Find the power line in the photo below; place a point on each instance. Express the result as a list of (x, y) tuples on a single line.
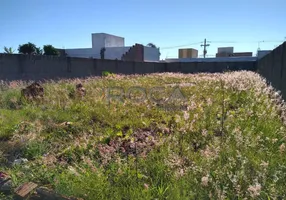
[(172, 47), (266, 41)]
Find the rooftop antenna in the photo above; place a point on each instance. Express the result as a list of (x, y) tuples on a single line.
[(258, 49)]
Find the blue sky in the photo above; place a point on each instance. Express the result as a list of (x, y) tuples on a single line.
[(166, 23)]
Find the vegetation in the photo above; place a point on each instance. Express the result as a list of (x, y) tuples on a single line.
[(107, 73), (29, 48), (102, 53), (201, 136), (50, 50), (8, 50), (151, 45)]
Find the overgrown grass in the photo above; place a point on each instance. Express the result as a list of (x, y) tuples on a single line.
[(221, 136)]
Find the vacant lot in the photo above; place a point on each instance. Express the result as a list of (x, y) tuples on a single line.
[(160, 136)]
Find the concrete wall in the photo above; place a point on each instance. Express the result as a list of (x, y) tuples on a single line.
[(273, 67), (31, 67), (114, 41), (113, 53), (225, 50), (151, 54), (236, 54), (262, 53), (100, 40), (83, 53), (222, 59)]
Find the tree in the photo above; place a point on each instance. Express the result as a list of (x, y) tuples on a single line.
[(102, 53), (8, 50), (39, 51), (50, 50), (29, 48), (151, 45)]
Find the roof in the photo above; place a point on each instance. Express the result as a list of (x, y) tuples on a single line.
[(107, 34), (220, 59)]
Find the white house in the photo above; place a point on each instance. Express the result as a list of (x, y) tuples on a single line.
[(114, 49)]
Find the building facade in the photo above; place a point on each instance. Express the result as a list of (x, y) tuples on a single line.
[(228, 52), (114, 48), (188, 53)]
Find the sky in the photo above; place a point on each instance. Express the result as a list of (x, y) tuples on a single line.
[(169, 24)]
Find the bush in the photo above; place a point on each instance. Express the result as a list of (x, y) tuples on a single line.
[(107, 73)]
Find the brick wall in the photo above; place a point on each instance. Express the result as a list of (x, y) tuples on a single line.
[(135, 53)]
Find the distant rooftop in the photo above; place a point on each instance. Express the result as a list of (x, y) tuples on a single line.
[(219, 59), (106, 34)]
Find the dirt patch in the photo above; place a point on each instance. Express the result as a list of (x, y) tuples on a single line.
[(139, 144)]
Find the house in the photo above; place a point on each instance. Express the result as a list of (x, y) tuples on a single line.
[(113, 47)]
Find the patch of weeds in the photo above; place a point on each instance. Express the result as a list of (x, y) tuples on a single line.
[(86, 184), (3, 159), (107, 73), (11, 99), (6, 197), (35, 149), (9, 122)]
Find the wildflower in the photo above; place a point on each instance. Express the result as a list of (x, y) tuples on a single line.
[(196, 116), (274, 140), (204, 132), (282, 148), (209, 102), (205, 180), (146, 186), (210, 152), (181, 172), (177, 118), (254, 190), (186, 115), (264, 164), (192, 106), (73, 171)]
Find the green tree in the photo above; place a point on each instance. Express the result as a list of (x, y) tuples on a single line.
[(8, 50), (50, 50), (151, 45), (39, 51), (29, 48), (102, 53)]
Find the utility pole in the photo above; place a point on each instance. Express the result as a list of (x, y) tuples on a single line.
[(205, 45)]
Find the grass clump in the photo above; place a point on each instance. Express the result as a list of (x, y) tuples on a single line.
[(196, 136)]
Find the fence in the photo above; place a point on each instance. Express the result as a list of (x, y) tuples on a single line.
[(32, 67), (273, 68)]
